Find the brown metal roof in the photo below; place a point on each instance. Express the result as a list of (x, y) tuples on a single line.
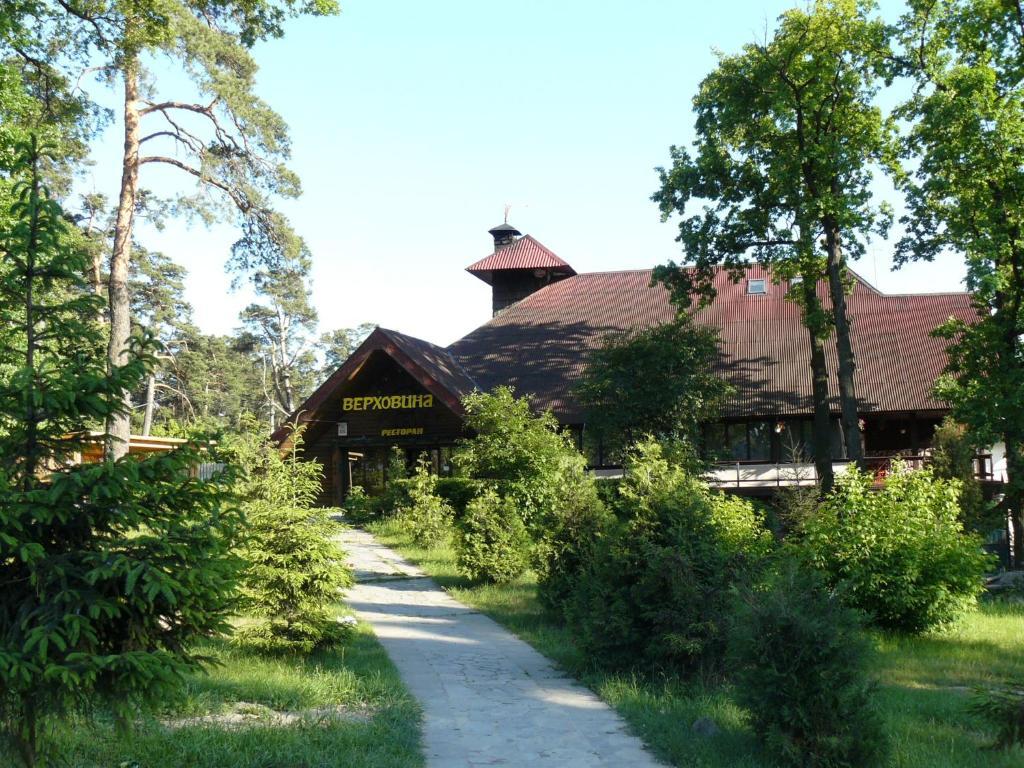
[(524, 253), (436, 362), (540, 345), (428, 363)]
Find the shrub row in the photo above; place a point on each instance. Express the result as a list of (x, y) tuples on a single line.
[(659, 571)]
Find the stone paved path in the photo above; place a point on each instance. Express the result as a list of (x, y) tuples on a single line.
[(488, 698)]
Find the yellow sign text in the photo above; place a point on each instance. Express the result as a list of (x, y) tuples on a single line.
[(386, 402)]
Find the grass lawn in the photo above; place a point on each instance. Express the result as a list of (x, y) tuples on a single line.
[(925, 682), (372, 723)]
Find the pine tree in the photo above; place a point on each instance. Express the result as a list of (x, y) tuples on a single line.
[(294, 569), (109, 571)]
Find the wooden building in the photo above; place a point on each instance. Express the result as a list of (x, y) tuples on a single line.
[(397, 390)]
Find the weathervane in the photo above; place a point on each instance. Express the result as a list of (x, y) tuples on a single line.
[(508, 208)]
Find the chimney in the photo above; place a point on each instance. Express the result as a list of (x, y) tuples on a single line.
[(504, 234)]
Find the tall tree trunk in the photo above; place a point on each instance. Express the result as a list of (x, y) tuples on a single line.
[(836, 267), (147, 420), (819, 386), (287, 391), (119, 424)]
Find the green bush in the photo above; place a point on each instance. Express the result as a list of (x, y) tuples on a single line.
[(521, 453), (493, 543), (799, 661), (608, 491), (792, 506), (900, 553), (457, 492), (567, 546), (426, 517), (657, 587), (294, 568), (359, 508)]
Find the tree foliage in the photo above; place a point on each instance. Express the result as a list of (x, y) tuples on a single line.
[(523, 452), (215, 131), (966, 194), (425, 516), (280, 328), (787, 137), (657, 381), (493, 544), (109, 571), (953, 456), (336, 346)]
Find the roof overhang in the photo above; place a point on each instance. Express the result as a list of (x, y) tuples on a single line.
[(380, 340)]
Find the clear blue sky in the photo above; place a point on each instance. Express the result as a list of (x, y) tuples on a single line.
[(413, 123)]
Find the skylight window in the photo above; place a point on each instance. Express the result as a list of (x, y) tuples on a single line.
[(757, 287)]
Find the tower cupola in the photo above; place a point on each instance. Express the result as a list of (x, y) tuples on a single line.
[(519, 266)]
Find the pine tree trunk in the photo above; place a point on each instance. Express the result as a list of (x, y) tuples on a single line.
[(287, 391), (819, 388), (147, 420), (847, 365), (119, 425)]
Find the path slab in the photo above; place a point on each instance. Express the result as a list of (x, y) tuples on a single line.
[(488, 698)]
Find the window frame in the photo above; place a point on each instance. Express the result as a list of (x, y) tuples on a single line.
[(762, 282)]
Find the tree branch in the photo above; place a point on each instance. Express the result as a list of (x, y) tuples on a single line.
[(240, 202), (93, 21), (164, 105)]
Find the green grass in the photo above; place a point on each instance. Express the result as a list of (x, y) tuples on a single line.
[(925, 682), (382, 732)]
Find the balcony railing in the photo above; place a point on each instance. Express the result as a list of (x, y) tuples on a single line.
[(754, 475)]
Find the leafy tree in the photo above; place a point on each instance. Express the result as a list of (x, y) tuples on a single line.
[(657, 381), (787, 134), (524, 452), (570, 541), (425, 516), (110, 571), (209, 379), (294, 570), (492, 542), (967, 195), (336, 346), (218, 133)]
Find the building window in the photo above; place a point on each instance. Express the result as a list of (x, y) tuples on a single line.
[(757, 286), (760, 433), (736, 441)]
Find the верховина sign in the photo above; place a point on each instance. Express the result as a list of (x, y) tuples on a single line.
[(386, 402)]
